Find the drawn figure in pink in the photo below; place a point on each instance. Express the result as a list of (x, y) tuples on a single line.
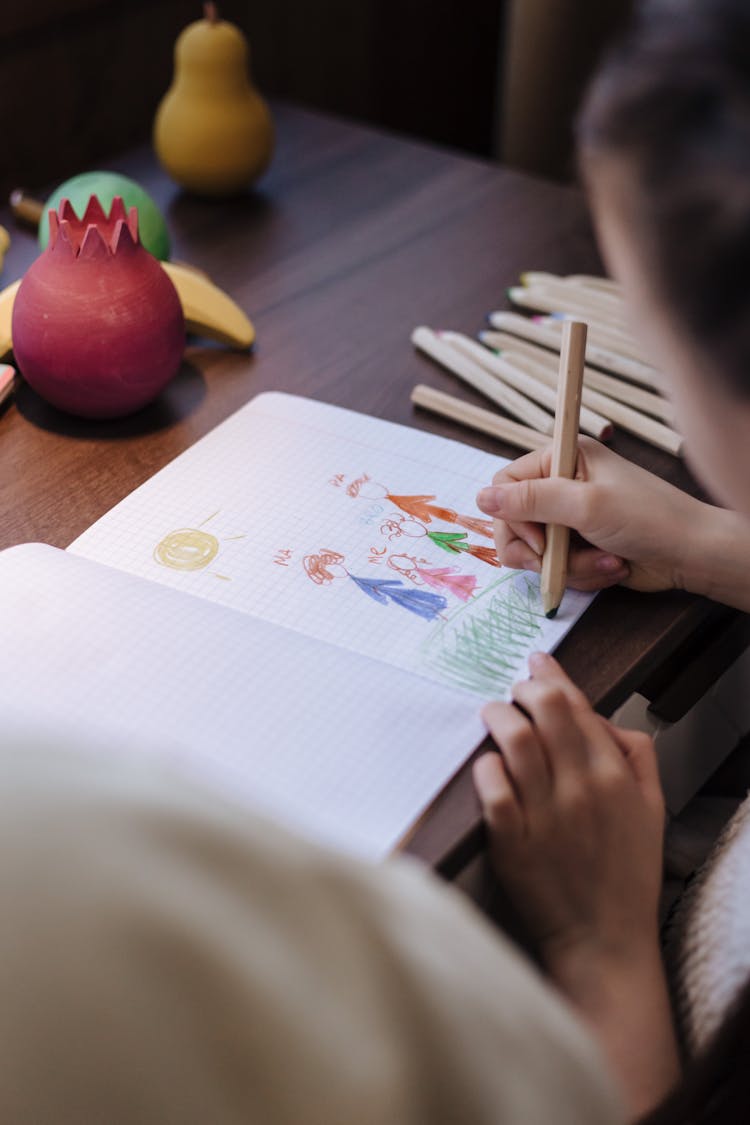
[(328, 565), (421, 573), (418, 507)]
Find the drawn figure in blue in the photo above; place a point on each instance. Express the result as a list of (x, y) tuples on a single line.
[(327, 565)]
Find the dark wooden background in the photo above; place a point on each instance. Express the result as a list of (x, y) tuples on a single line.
[(80, 79)]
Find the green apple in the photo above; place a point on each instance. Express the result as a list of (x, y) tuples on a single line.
[(106, 185)]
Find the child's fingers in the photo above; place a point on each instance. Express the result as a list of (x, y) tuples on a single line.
[(531, 535), (555, 719), (500, 807), (524, 759), (588, 567), (637, 748), (531, 465), (546, 500), (592, 585), (516, 553), (546, 669), (600, 753), (599, 568)]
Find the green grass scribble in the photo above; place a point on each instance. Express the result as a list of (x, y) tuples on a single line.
[(482, 645)]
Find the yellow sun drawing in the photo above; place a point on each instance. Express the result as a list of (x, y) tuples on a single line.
[(190, 548)]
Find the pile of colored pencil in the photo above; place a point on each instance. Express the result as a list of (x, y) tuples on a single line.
[(515, 364)]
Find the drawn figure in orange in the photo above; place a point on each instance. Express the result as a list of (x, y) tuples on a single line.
[(318, 567), (418, 507), (440, 578), (366, 487)]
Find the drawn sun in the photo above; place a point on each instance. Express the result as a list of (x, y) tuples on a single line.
[(191, 548)]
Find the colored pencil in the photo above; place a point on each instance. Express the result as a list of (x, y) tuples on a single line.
[(564, 455), (25, 208), (604, 284), (550, 335), (475, 376), (525, 382), (624, 416), (572, 302), (603, 336), (581, 281), (477, 418), (514, 350), (610, 305)]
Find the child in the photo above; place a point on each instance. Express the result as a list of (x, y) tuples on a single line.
[(573, 805)]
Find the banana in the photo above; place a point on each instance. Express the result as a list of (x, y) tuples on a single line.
[(7, 297), (4, 245), (208, 310)]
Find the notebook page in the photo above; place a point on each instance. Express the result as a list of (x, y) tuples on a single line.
[(333, 744), (347, 528)]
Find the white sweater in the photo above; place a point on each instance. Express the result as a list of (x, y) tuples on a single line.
[(167, 958)]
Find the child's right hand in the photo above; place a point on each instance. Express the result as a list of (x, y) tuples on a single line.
[(637, 530)]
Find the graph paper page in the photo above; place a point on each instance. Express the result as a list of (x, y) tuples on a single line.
[(346, 528), (333, 744)]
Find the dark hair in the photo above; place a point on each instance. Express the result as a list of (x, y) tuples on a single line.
[(716, 1087), (673, 99)]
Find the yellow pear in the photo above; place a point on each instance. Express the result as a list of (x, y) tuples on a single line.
[(213, 132)]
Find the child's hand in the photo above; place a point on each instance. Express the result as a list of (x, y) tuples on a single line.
[(575, 817), (638, 530)]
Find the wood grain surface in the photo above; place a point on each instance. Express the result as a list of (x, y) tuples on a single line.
[(353, 238)]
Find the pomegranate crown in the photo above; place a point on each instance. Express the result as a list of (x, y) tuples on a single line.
[(95, 234)]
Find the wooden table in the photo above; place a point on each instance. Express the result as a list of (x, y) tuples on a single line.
[(353, 239)]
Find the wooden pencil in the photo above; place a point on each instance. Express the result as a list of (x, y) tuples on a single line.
[(588, 281), (606, 311), (526, 382), (602, 335), (564, 454), (25, 208), (550, 336), (530, 357), (581, 281), (477, 418), (475, 376), (633, 398), (597, 300), (624, 416)]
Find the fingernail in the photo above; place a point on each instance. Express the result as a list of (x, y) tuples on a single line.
[(490, 501), (609, 564), (531, 562), (538, 661)]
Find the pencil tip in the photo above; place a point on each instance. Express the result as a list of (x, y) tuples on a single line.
[(551, 613)]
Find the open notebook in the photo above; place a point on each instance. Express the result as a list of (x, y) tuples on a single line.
[(304, 608)]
